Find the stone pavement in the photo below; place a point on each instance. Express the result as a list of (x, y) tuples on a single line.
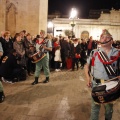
[(65, 97)]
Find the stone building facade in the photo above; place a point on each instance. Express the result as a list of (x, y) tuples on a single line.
[(29, 15), (84, 28)]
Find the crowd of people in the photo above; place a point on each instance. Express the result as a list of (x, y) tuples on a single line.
[(62, 49), (25, 55)]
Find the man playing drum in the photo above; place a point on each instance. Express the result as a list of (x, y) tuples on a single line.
[(95, 70), (43, 45)]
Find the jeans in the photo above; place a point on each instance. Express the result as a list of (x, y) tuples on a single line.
[(95, 108)]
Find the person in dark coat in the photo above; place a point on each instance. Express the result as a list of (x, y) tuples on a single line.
[(7, 43), (90, 45), (65, 50), (83, 53), (9, 69), (75, 53)]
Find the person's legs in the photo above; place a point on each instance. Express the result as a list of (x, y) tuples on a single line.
[(33, 67), (2, 96), (95, 108), (29, 66), (88, 52), (56, 65), (108, 111), (76, 62), (45, 64), (38, 68), (37, 72), (73, 63), (63, 60)]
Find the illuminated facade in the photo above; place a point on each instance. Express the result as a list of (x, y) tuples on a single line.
[(85, 28)]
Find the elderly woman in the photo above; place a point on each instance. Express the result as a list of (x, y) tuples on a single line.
[(19, 47)]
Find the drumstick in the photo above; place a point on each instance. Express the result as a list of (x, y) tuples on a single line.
[(112, 79)]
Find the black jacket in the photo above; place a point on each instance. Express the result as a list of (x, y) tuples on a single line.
[(65, 48), (75, 50), (9, 63)]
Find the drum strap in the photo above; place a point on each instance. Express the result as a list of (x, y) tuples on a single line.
[(107, 63), (108, 67)]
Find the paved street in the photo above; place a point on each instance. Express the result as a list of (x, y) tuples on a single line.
[(65, 97)]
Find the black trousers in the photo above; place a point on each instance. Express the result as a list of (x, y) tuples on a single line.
[(57, 65), (74, 62)]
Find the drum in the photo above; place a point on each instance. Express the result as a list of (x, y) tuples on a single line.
[(37, 57), (107, 92)]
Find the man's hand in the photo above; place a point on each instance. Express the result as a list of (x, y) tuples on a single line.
[(89, 84), (88, 77)]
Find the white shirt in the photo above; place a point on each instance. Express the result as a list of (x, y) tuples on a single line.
[(57, 55)]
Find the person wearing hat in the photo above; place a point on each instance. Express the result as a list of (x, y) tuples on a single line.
[(75, 53), (96, 71)]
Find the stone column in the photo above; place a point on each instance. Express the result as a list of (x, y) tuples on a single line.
[(2, 14)]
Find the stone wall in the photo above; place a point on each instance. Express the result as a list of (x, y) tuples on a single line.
[(27, 15), (2, 15)]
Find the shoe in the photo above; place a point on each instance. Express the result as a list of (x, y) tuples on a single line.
[(36, 81), (59, 70), (46, 80), (3, 79), (15, 80), (30, 74), (56, 70), (2, 97), (11, 82)]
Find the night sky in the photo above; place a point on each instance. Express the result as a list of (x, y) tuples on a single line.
[(83, 6)]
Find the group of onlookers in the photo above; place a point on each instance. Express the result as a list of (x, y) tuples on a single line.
[(21, 47), (63, 48), (74, 49)]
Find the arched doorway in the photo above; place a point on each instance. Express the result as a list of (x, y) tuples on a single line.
[(85, 35), (11, 18)]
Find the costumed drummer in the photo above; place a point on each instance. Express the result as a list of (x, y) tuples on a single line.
[(95, 70), (43, 45)]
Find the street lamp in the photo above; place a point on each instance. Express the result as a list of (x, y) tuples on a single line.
[(73, 15), (50, 27)]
